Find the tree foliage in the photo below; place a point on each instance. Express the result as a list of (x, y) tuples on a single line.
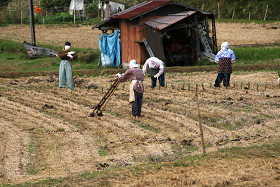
[(4, 3), (55, 5), (242, 8)]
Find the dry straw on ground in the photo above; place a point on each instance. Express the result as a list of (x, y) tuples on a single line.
[(84, 37), (47, 132)]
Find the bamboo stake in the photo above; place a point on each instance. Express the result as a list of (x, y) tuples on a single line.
[(219, 10), (21, 18), (199, 121), (265, 12)]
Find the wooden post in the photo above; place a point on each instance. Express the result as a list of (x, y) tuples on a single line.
[(98, 8), (199, 121), (249, 15), (233, 15), (197, 39), (74, 9), (219, 10), (9, 9), (265, 13), (32, 29), (21, 18)]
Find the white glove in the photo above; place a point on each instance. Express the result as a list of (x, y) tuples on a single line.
[(70, 54), (156, 76), (278, 80), (118, 75)]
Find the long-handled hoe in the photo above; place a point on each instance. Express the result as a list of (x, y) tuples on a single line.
[(100, 106)]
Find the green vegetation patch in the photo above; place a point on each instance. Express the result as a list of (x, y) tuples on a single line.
[(15, 59), (31, 167), (257, 54), (144, 126), (102, 152)]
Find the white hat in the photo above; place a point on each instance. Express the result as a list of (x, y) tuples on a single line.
[(224, 46), (133, 64)]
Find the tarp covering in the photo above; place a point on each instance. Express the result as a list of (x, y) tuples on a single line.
[(109, 46), (35, 51), (77, 5), (116, 7)]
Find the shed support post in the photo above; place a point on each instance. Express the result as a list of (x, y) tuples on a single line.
[(214, 38), (197, 39)]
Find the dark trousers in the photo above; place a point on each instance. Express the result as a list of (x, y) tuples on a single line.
[(225, 77), (137, 104), (161, 80)]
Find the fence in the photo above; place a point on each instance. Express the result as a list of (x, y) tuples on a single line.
[(19, 14)]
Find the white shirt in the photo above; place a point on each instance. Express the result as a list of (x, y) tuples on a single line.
[(155, 63)]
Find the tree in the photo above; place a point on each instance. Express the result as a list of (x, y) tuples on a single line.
[(4, 3), (55, 5)]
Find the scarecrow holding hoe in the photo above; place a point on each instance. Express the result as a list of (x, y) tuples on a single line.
[(136, 89)]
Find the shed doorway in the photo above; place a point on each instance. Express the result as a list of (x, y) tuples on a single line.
[(179, 46)]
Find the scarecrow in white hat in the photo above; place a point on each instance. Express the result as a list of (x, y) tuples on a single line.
[(136, 76), (225, 57), (65, 68), (156, 70)]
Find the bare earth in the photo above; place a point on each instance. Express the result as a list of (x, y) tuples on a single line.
[(85, 37), (46, 132)]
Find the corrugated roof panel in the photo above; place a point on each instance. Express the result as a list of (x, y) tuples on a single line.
[(139, 9), (166, 21)]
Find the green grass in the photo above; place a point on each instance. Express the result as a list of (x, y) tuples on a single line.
[(31, 168), (257, 54), (14, 58), (102, 152), (144, 126)]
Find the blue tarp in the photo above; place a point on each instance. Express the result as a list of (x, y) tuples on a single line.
[(109, 46)]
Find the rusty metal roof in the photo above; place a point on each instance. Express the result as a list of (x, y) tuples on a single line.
[(140, 9), (166, 21), (149, 6)]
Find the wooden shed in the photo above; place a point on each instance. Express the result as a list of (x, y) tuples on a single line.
[(173, 32)]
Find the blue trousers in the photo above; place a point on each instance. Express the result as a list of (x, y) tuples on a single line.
[(222, 77), (161, 80), (65, 74)]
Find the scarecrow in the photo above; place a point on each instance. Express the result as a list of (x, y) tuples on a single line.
[(65, 68), (225, 57), (136, 90), (156, 70)]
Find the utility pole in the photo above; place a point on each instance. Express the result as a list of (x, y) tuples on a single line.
[(32, 29), (74, 11)]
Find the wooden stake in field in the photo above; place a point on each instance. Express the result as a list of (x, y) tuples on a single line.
[(199, 121), (265, 12)]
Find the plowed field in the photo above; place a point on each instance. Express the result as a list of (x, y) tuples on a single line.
[(46, 132)]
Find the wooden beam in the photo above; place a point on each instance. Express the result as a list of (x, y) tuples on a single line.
[(197, 39)]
